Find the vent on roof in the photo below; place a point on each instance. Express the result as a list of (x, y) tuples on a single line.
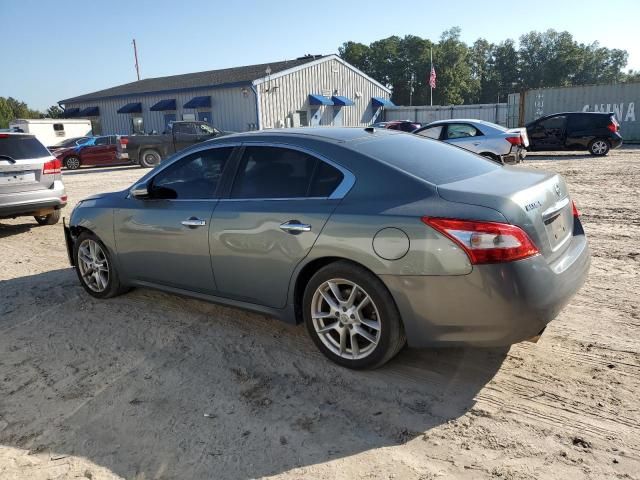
[(308, 56)]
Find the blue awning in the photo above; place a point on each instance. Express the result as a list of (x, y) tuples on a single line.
[(342, 101), (315, 99), (162, 105), (131, 108), (382, 102), (198, 102), (71, 112), (89, 112)]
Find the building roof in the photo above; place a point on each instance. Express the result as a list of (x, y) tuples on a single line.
[(211, 78)]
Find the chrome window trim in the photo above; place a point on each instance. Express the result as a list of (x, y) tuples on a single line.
[(348, 178)]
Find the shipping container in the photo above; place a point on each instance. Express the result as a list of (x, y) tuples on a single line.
[(490, 112), (617, 98)]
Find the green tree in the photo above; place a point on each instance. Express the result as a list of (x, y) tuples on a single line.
[(453, 67), (54, 111)]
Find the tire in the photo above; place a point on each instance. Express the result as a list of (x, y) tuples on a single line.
[(51, 219), (150, 158), (72, 162), (599, 147), (108, 284), (377, 341)]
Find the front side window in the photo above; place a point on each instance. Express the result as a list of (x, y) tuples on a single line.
[(553, 123), (184, 129), (276, 172), (195, 177), (461, 130), (431, 132)]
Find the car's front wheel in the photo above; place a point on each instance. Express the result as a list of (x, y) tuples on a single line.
[(599, 147), (351, 316), (95, 268)]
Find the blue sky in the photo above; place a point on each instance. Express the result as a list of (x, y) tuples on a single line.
[(58, 49)]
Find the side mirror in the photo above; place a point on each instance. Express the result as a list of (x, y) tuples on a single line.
[(139, 191)]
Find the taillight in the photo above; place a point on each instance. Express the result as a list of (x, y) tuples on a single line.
[(52, 167), (576, 212), (485, 242), (613, 127), (514, 140)]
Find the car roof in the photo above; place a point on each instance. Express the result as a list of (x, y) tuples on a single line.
[(333, 134)]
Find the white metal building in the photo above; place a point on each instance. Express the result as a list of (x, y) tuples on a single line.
[(307, 91)]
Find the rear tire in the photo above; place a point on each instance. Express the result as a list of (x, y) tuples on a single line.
[(150, 158), (358, 330), (95, 268), (599, 147), (72, 163), (51, 219)]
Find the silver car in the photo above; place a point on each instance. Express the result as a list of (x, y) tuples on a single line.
[(372, 238), (484, 138), (30, 180)]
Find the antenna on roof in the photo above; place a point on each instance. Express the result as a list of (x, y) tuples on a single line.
[(135, 54)]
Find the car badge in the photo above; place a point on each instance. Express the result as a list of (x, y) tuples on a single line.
[(558, 191)]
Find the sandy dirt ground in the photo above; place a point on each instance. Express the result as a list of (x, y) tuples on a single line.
[(154, 386)]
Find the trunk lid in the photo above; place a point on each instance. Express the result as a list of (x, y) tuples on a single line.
[(536, 201)]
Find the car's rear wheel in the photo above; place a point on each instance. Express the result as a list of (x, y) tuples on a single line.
[(351, 316), (50, 219), (72, 163), (95, 268), (599, 147), (150, 158)]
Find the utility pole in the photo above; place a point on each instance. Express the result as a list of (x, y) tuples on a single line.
[(135, 54)]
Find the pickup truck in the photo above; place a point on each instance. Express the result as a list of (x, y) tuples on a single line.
[(149, 150)]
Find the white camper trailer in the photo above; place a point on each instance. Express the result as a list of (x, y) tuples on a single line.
[(52, 130)]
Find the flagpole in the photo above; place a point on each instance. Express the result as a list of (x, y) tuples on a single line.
[(430, 86)]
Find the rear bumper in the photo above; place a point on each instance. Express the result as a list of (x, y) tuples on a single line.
[(494, 305), (36, 202), (616, 141)]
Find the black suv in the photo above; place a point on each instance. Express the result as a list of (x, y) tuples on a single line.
[(596, 132)]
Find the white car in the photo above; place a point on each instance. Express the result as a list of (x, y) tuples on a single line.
[(484, 138)]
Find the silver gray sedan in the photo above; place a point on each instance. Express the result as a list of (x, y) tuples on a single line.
[(484, 138), (372, 238)]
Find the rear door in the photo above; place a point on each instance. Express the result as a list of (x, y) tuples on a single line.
[(22, 158), (278, 204), (100, 153), (464, 135)]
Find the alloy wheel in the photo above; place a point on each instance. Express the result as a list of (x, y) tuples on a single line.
[(93, 265), (346, 319), (599, 147), (72, 163)]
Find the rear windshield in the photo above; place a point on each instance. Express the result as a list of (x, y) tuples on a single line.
[(21, 147), (432, 160)]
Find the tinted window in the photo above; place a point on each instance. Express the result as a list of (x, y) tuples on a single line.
[(435, 162), (19, 147), (553, 123), (461, 130), (58, 127), (325, 180), (102, 141), (195, 176), (184, 128), (273, 172), (431, 132)]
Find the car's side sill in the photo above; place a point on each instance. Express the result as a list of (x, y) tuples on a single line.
[(285, 314)]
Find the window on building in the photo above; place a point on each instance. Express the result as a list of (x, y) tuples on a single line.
[(137, 125), (168, 119), (275, 172), (304, 118), (189, 117), (195, 177), (96, 126), (204, 117)]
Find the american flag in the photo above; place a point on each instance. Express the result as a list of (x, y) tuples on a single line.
[(432, 78)]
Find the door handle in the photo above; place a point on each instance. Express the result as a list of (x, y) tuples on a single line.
[(193, 222), (294, 227)]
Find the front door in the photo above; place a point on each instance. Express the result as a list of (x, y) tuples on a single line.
[(184, 135), (549, 134), (164, 239), (337, 116), (279, 203)]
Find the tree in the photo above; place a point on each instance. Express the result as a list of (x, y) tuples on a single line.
[(54, 111)]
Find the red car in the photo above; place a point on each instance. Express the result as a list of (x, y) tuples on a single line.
[(96, 151), (403, 125)]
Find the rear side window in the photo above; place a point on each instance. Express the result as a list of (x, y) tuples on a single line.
[(21, 147), (102, 141), (195, 177), (276, 172), (58, 127), (431, 132), (461, 130), (582, 122), (435, 162)]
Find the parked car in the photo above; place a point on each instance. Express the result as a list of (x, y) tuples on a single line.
[(95, 151), (30, 180), (150, 150), (379, 125), (487, 139), (402, 125), (595, 132), (69, 142), (371, 237)]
